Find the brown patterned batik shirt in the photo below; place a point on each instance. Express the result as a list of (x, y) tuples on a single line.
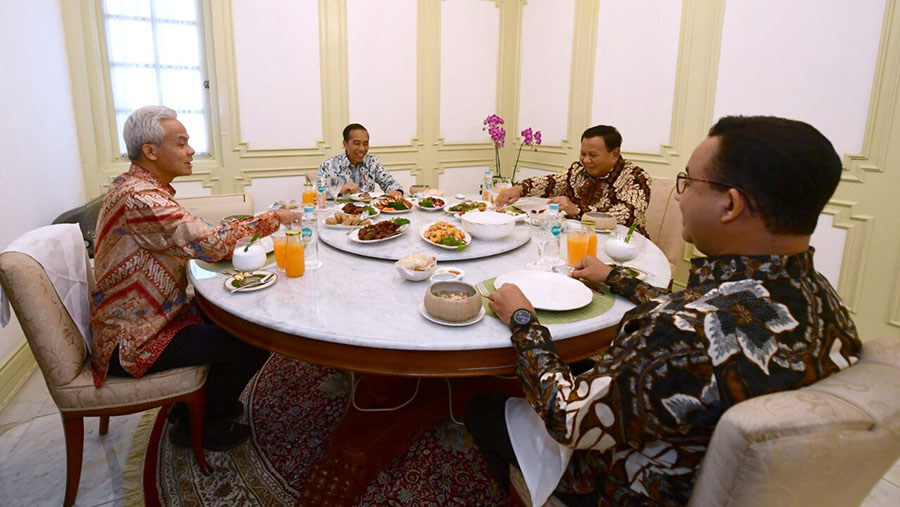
[(624, 191), (642, 418)]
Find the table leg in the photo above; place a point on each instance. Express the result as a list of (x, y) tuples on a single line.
[(364, 443)]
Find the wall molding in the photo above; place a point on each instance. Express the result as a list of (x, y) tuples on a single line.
[(19, 365), (856, 248), (893, 318)]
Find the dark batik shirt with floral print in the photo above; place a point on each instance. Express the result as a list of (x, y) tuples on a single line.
[(365, 174), (642, 418), (623, 192)]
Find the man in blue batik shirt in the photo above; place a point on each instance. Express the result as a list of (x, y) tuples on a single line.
[(360, 169)]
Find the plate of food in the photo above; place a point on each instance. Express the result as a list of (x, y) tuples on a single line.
[(445, 235), (354, 208), (512, 210), (380, 231), (344, 220), (360, 197), (245, 281), (390, 205), (632, 271), (467, 206), (430, 204), (292, 204)]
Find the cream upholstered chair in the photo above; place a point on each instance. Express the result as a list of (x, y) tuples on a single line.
[(826, 444), (664, 220), (213, 208), (59, 349)]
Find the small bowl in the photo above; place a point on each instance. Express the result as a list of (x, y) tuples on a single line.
[(413, 275), (448, 274), (449, 310), (251, 260), (488, 224), (620, 251)]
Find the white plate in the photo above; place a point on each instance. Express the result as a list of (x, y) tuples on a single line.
[(271, 282), (447, 208), (442, 322), (359, 198), (423, 208), (365, 205), (468, 237), (394, 211), (548, 291), (354, 236), (641, 274)]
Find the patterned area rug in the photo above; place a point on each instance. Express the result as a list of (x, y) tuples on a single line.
[(292, 408)]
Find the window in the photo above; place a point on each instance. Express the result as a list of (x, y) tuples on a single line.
[(155, 54)]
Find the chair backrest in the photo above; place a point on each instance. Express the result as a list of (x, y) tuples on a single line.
[(826, 444), (664, 220), (55, 340), (213, 208)]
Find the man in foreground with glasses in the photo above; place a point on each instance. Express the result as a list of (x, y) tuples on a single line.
[(601, 180), (755, 318), (359, 169), (142, 319)]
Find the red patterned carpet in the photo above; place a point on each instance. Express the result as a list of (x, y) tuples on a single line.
[(293, 407)]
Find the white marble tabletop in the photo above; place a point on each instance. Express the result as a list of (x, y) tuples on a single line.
[(355, 300)]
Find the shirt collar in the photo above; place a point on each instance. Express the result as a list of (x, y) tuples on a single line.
[(139, 172), (346, 160), (723, 268)]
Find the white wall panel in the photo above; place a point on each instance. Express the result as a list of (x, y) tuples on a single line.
[(461, 180), (547, 28), (381, 47), (829, 243), (190, 189), (276, 47), (405, 178), (811, 60), (634, 70), (470, 43), (266, 191)]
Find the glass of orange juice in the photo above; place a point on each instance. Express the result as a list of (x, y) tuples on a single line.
[(279, 240), (309, 195), (577, 244), (294, 262)]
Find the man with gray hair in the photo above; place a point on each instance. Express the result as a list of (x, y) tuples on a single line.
[(142, 319)]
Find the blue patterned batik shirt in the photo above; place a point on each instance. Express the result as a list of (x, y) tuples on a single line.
[(365, 174)]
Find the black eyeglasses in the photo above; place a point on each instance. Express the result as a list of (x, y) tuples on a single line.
[(681, 183)]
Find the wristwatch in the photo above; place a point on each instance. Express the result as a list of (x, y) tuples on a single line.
[(521, 318)]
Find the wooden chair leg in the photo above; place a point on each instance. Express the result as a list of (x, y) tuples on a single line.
[(104, 424), (196, 404), (74, 431)]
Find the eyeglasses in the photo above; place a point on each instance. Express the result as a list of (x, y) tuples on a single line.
[(681, 183)]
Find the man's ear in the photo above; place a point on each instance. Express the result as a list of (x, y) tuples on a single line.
[(149, 151), (734, 205), (616, 152)]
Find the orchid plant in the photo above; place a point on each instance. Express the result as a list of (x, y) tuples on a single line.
[(494, 126)]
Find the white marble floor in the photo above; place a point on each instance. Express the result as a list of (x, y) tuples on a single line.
[(33, 465)]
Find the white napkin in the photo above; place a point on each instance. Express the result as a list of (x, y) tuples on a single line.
[(541, 458), (60, 250)]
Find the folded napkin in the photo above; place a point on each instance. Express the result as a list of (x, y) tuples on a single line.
[(541, 458), (60, 250)]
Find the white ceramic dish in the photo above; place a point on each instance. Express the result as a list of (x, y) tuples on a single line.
[(354, 236), (468, 238), (548, 291), (415, 275), (436, 208), (359, 197), (447, 273), (488, 225), (229, 286), (447, 208), (436, 320), (620, 251)]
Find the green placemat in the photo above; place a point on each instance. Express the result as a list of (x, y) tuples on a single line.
[(598, 306), (226, 265)]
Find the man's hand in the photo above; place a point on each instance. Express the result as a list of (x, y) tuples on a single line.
[(395, 194), (287, 217), (591, 269), (509, 196), (349, 188), (507, 299), (568, 207)]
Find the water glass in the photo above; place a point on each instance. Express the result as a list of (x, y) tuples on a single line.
[(334, 186), (540, 234)]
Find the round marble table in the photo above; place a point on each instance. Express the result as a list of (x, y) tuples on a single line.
[(357, 314)]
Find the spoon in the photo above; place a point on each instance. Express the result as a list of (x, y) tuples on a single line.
[(362, 218), (261, 281)]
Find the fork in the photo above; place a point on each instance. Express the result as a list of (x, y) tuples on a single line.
[(482, 290), (261, 281)]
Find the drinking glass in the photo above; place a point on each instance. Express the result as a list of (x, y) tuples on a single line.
[(540, 233), (279, 241), (618, 250), (577, 240), (335, 183)]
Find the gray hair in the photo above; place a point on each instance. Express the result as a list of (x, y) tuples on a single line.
[(143, 126)]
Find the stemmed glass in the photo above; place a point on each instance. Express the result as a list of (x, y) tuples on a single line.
[(541, 235), (335, 183)]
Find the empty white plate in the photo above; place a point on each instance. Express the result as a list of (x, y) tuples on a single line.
[(548, 291)]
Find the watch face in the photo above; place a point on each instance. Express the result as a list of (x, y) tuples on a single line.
[(522, 317)]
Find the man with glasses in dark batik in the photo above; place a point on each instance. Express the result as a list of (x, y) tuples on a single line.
[(755, 318)]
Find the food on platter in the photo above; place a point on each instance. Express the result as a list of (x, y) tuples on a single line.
[(446, 234), (511, 210), (431, 203), (418, 262), (292, 204), (346, 219), (538, 211), (391, 205), (468, 206), (362, 196), (356, 209), (432, 192), (382, 230)]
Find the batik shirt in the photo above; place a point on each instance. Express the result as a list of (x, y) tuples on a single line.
[(144, 238), (365, 174), (623, 192), (642, 418)]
